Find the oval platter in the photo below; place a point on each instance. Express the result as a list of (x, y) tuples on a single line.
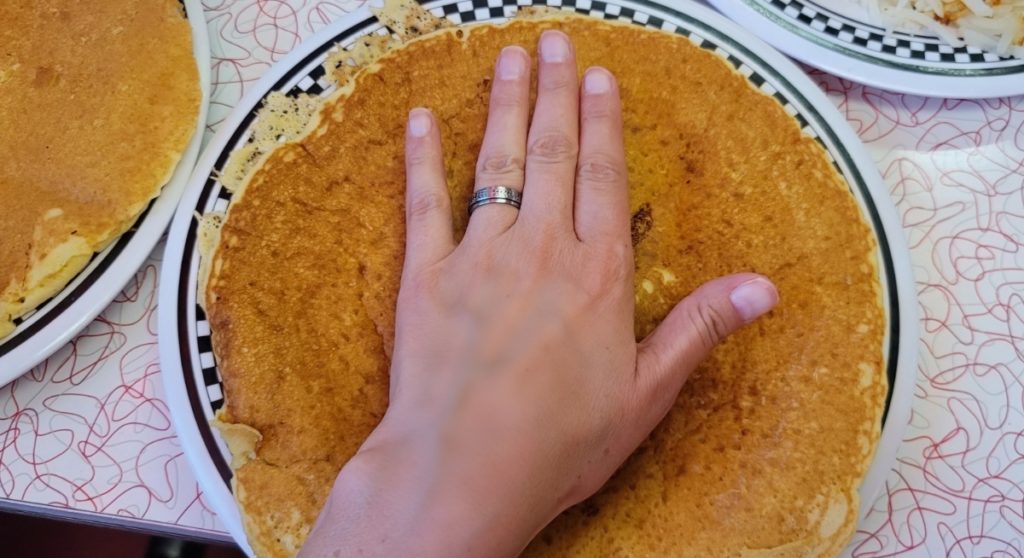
[(840, 38)]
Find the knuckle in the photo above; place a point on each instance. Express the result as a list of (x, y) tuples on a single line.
[(543, 248), (611, 270), (500, 164), (657, 363), (488, 263), (597, 110), (620, 253), (506, 98), (553, 147), (711, 324), (420, 157), (600, 168), (424, 289), (559, 82), (427, 203), (553, 236), (547, 251), (417, 285), (610, 276)]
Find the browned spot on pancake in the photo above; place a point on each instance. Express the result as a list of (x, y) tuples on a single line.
[(641, 223)]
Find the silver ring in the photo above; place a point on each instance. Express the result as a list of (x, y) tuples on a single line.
[(505, 195)]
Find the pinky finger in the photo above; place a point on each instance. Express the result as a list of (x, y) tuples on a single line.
[(428, 211)]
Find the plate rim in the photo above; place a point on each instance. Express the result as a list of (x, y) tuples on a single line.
[(864, 71), (171, 351), (123, 257), (168, 345)]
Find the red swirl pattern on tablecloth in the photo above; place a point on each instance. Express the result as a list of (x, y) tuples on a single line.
[(956, 173), (89, 429)]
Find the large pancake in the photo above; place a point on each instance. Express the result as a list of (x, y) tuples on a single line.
[(766, 446), (98, 101)]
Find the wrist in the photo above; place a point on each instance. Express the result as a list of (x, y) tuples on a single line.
[(403, 495)]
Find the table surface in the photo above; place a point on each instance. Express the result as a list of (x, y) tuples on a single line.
[(87, 435)]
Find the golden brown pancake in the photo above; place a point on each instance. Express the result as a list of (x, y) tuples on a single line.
[(98, 101), (766, 446)]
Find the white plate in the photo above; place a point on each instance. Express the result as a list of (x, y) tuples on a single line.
[(190, 374), (839, 38), (47, 328)]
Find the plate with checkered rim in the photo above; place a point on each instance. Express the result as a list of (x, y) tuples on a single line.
[(829, 35), (46, 329), (191, 377)]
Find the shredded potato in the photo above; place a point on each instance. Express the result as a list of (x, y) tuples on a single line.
[(993, 25)]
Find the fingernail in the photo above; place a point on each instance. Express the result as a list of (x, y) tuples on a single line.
[(596, 82), (419, 123), (554, 47), (754, 298), (511, 64)]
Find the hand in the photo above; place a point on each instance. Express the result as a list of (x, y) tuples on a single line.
[(517, 386)]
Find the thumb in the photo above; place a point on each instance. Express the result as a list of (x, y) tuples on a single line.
[(693, 328)]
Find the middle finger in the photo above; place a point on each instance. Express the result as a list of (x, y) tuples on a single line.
[(553, 142)]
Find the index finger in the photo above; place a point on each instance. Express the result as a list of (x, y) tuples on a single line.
[(602, 194)]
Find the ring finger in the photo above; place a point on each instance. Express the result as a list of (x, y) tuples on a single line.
[(503, 153)]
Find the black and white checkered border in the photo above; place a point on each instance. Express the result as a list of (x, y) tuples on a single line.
[(203, 346), (310, 79), (875, 41)]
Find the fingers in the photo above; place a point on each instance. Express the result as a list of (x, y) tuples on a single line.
[(428, 212), (693, 328), (602, 195), (503, 153), (554, 136)]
